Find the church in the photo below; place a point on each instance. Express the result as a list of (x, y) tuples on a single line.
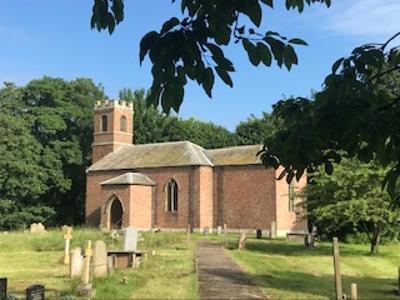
[(174, 185)]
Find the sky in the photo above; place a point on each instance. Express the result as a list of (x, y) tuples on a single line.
[(54, 38)]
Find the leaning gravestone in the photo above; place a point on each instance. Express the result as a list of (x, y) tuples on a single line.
[(35, 292), (3, 288), (130, 239), (100, 259), (242, 241), (219, 230)]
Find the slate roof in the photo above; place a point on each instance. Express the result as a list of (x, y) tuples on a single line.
[(130, 178), (235, 156), (175, 154)]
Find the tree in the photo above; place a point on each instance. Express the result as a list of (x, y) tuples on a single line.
[(52, 121), (257, 130), (193, 47), (351, 200), (356, 115), (152, 125)]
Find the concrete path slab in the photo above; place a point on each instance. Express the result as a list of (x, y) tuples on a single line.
[(219, 277)]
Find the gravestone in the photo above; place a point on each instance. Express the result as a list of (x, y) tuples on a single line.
[(76, 262), (3, 288), (37, 228), (67, 232), (100, 263), (219, 230), (85, 278), (259, 233), (242, 241), (206, 230), (130, 239), (35, 292)]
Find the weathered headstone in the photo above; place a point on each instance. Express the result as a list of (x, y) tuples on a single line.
[(259, 234), (130, 239), (37, 228), (273, 230), (86, 262), (206, 230), (67, 231), (110, 264), (219, 230), (100, 263), (76, 263), (242, 241), (35, 292), (3, 288)]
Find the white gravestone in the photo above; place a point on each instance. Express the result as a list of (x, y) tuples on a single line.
[(76, 262), (130, 239)]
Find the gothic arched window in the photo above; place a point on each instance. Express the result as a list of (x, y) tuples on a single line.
[(122, 123), (172, 196), (104, 123)]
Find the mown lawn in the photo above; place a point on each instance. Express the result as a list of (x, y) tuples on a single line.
[(29, 258), (290, 271)]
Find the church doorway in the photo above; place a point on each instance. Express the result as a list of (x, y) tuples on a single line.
[(115, 214)]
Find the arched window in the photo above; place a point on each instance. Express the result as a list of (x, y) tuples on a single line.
[(104, 123), (122, 123), (172, 196)]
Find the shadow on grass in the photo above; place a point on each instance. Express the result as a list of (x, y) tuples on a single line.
[(323, 286), (298, 249)]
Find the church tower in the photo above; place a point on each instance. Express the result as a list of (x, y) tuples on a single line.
[(113, 127)]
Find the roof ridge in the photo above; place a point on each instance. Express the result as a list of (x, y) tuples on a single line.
[(232, 147)]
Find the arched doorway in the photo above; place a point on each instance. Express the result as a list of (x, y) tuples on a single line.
[(114, 213)]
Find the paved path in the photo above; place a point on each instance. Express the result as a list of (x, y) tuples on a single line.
[(219, 277)]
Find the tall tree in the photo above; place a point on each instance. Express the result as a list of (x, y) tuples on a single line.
[(257, 130), (56, 116), (351, 200), (152, 125)]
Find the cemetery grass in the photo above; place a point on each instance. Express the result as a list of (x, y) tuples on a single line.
[(35, 259), (287, 270)]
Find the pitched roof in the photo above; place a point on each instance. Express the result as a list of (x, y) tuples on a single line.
[(169, 154), (234, 156), (130, 178)]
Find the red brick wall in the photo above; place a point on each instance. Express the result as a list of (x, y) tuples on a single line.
[(141, 200), (123, 193), (204, 197), (109, 141), (245, 197), (288, 220), (182, 175)]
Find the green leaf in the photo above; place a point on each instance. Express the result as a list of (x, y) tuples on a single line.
[(147, 43), (253, 11), (224, 75), (268, 2), (208, 81), (297, 41), (265, 54), (252, 52), (171, 23)]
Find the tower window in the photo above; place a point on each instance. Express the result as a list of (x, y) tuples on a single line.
[(122, 124), (172, 196), (104, 123)]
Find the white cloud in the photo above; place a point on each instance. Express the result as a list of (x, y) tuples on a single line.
[(376, 18)]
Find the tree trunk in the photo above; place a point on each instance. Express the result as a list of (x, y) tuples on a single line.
[(375, 242)]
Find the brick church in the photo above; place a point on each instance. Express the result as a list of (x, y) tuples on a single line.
[(173, 184)]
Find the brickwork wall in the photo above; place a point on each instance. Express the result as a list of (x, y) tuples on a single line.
[(288, 221), (246, 196), (205, 196), (141, 206), (123, 193)]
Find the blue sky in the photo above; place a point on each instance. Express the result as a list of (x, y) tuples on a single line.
[(54, 38)]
